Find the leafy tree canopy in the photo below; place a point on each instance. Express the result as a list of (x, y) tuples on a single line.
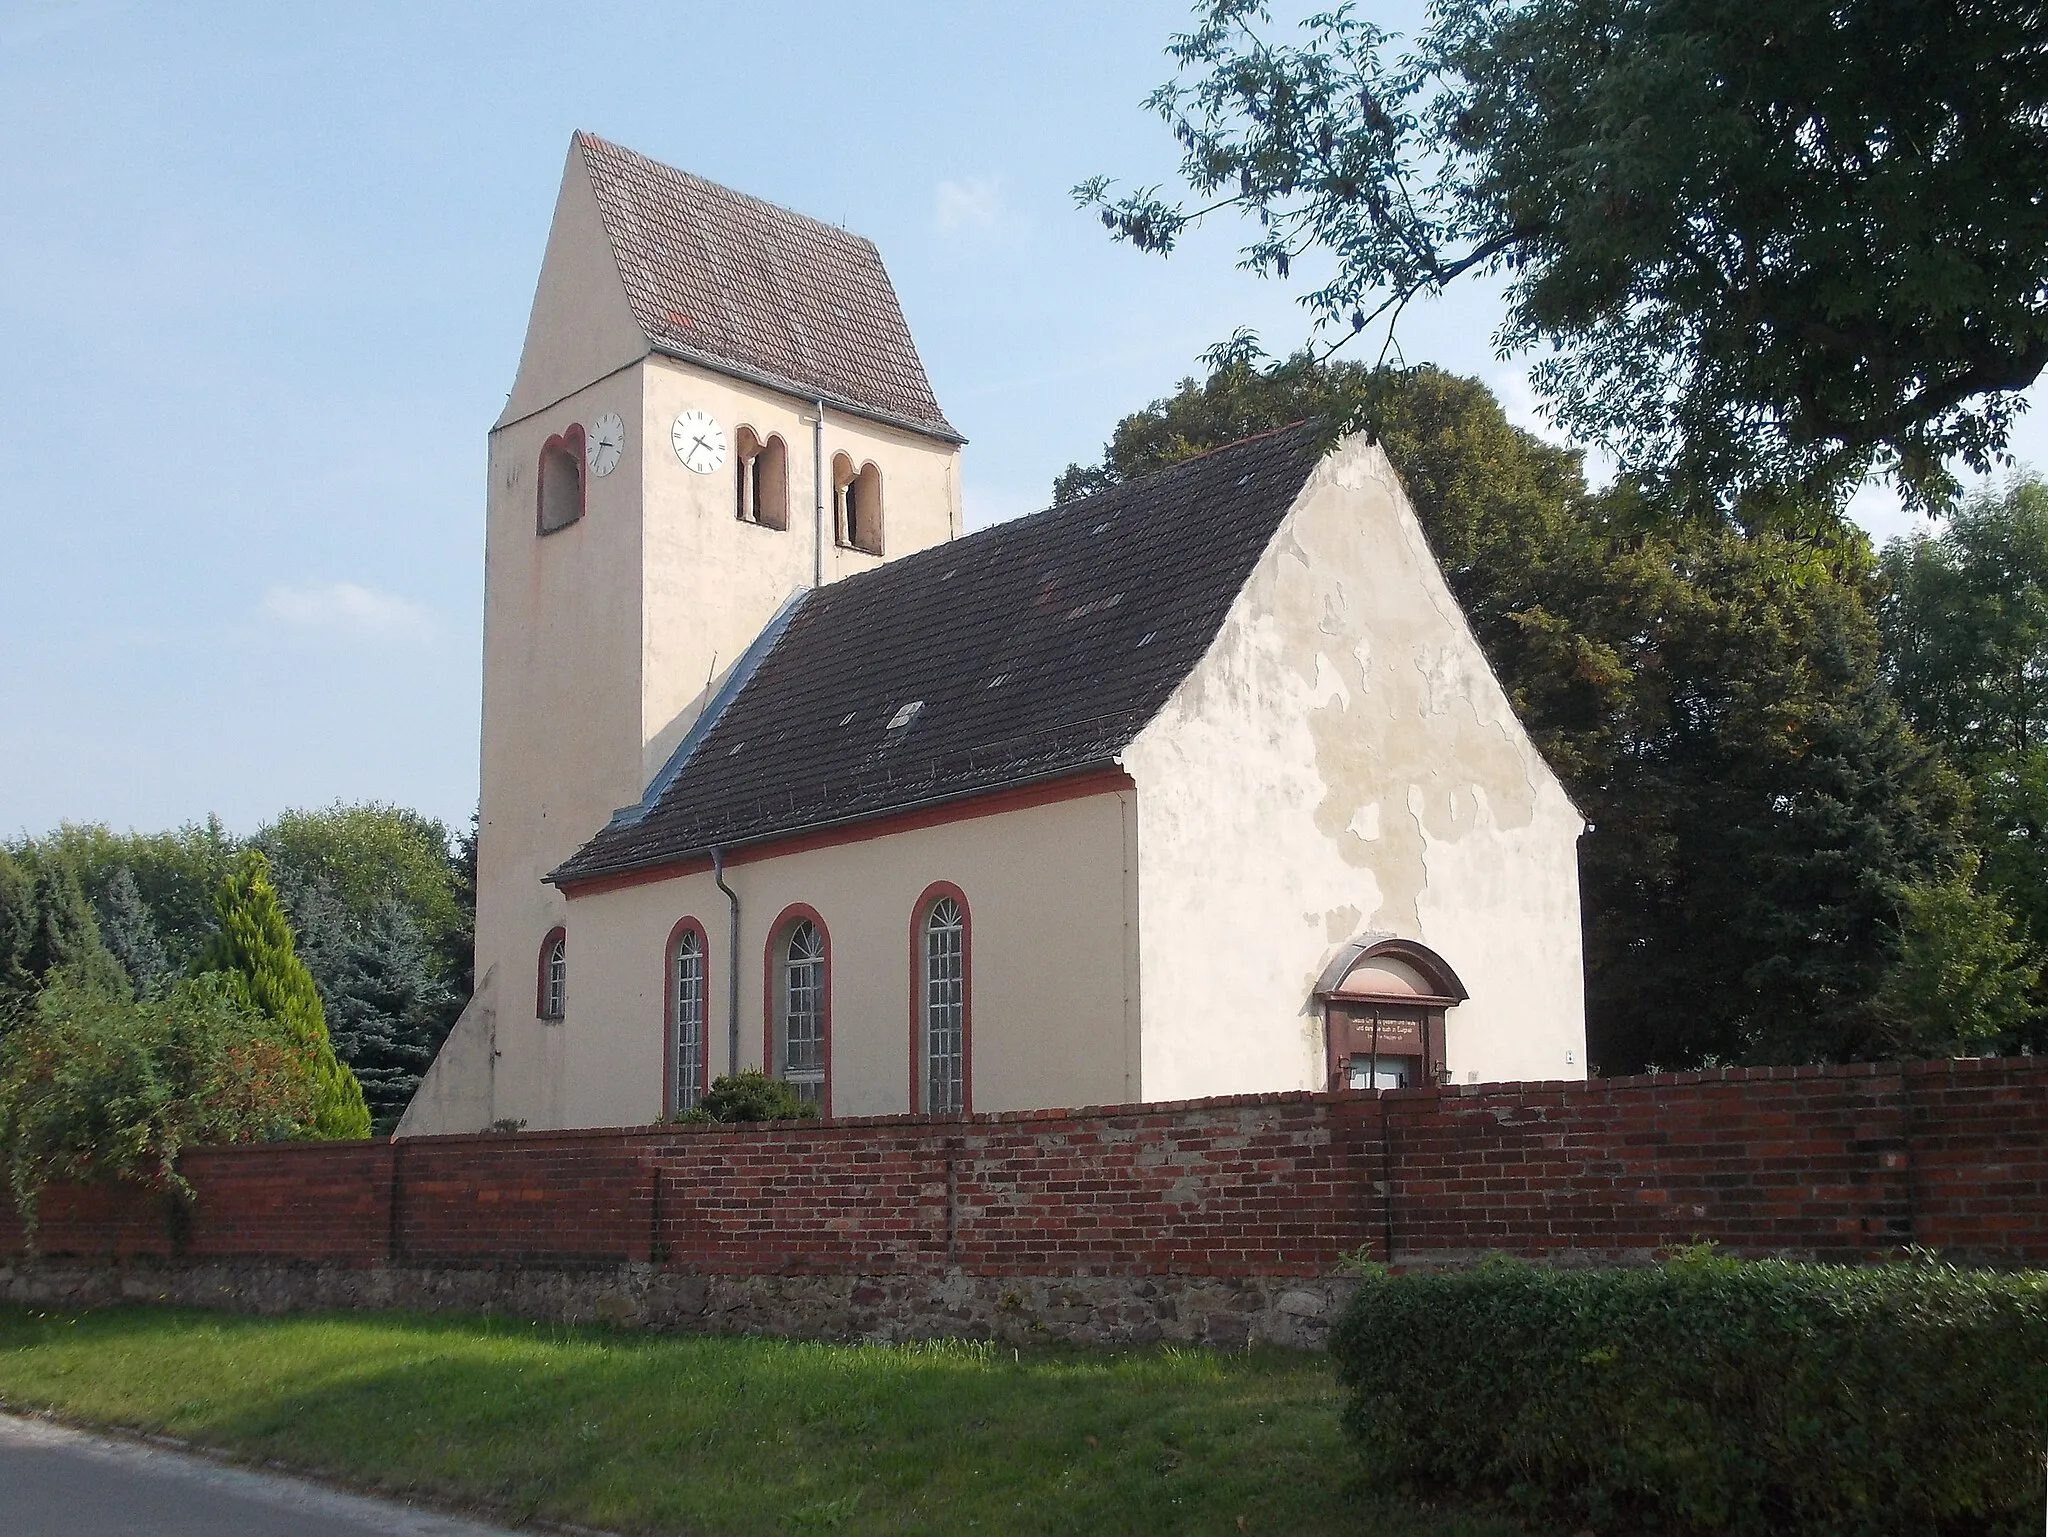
[(1965, 622), (95, 1084), (1763, 250), (175, 873), (367, 853), (1712, 700)]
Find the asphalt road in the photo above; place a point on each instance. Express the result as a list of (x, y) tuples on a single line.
[(56, 1482)]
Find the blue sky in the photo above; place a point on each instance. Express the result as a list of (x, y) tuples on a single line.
[(263, 275)]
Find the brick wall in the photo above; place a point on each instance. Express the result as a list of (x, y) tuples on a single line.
[(1840, 1163)]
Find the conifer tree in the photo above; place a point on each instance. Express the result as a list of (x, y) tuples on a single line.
[(388, 1008), (254, 948), (17, 928), (46, 924), (129, 931)]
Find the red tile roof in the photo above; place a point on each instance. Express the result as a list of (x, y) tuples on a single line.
[(741, 286)]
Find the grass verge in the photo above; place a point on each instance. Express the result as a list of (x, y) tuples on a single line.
[(655, 1433)]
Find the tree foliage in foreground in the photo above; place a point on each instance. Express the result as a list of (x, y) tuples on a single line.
[(1965, 621), (253, 954), (96, 1084), (1771, 841), (1760, 250), (382, 901)]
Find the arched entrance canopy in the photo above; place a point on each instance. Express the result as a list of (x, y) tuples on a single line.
[(1384, 1000), (1347, 974)]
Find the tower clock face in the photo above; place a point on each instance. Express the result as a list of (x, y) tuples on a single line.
[(698, 441), (603, 444)]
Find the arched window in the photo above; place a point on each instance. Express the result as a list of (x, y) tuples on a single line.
[(560, 494), (552, 995), (688, 1053), (761, 479), (939, 1050), (857, 504), (800, 998)]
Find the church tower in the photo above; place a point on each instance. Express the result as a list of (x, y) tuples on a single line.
[(718, 405)]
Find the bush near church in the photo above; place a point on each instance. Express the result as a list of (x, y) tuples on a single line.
[(1710, 1395), (748, 1096)]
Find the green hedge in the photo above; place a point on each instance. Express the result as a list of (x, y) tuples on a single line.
[(1710, 1395)]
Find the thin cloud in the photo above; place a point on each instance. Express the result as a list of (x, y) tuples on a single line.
[(973, 204), (347, 609)]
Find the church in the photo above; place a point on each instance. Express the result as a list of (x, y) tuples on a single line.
[(1197, 786)]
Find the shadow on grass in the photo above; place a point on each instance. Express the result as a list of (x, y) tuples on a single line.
[(645, 1432)]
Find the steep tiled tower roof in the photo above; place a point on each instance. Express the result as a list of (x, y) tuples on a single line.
[(742, 286)]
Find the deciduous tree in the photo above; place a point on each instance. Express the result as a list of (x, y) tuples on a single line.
[(95, 1084), (1759, 250)]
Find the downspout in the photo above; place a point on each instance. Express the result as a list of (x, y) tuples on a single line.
[(818, 484), (732, 968)]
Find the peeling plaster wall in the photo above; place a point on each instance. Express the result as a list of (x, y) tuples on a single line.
[(1344, 761)]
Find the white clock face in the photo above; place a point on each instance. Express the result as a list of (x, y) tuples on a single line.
[(699, 441), (604, 442)]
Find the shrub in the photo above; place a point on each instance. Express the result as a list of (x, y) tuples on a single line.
[(95, 1084), (1710, 1394), (750, 1095)]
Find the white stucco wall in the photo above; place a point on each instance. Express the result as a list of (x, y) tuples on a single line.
[(1053, 973), (712, 581), (562, 715), (602, 638), (581, 327), (1342, 761)]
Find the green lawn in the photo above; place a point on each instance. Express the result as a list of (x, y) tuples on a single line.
[(640, 1432)]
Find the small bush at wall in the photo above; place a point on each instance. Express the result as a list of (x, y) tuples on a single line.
[(1710, 1395), (750, 1095)]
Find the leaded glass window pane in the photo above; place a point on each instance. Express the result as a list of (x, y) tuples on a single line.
[(555, 995), (803, 1049), (945, 1007), (689, 1021)]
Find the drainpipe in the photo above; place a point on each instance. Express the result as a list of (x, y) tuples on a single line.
[(818, 483), (732, 968)]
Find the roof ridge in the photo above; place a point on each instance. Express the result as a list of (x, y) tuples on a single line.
[(586, 137), (733, 283), (931, 554)]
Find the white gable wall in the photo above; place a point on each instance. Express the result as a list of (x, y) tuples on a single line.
[(1343, 761), (581, 327)]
